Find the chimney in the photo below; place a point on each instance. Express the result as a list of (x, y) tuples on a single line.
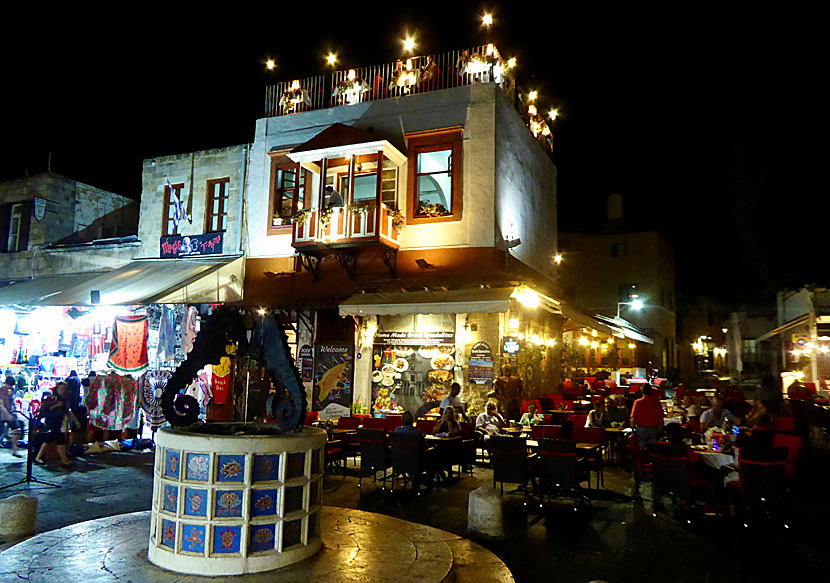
[(614, 212)]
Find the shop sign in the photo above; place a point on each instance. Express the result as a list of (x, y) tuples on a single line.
[(414, 338), (40, 208), (800, 340), (306, 363), (510, 345), (333, 366), (191, 246), (480, 365)]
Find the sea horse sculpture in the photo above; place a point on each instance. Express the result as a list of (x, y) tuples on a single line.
[(270, 344)]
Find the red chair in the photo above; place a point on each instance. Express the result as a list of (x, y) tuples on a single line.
[(426, 425), (393, 421), (794, 446), (526, 403), (374, 423), (565, 405), (639, 463), (579, 420), (547, 419), (633, 389), (545, 432), (783, 424), (581, 434), (348, 423), (311, 417)]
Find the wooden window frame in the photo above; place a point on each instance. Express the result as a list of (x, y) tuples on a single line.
[(168, 200), (280, 161), (433, 141), (209, 198)]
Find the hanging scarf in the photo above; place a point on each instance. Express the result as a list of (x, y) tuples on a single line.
[(150, 386), (167, 335), (189, 329), (128, 352)]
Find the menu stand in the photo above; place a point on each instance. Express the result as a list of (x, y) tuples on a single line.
[(30, 456)]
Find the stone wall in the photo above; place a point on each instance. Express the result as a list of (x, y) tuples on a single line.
[(193, 170)]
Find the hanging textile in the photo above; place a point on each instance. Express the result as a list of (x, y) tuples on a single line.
[(111, 401), (189, 329), (167, 335), (150, 386), (128, 351)]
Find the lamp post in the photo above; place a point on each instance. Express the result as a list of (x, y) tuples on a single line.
[(635, 304)]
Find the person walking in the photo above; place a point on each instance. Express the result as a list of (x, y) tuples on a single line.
[(647, 416), (7, 417)]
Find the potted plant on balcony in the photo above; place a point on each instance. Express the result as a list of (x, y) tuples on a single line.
[(362, 206), (398, 221), (325, 216), (301, 216)]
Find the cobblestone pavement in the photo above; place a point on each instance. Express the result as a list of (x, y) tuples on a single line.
[(618, 539)]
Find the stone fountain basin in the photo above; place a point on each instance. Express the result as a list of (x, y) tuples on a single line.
[(230, 499)]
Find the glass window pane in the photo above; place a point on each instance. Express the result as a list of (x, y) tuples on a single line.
[(215, 205), (288, 178), (365, 187), (434, 161), (435, 189)]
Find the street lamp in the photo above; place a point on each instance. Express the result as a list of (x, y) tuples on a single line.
[(635, 304)]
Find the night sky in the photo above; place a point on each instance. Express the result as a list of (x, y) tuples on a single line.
[(708, 122)]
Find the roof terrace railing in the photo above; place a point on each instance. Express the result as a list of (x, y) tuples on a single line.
[(405, 76)]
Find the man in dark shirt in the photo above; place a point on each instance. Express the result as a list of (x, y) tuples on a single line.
[(408, 427)]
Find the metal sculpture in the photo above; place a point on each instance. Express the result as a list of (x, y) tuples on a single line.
[(223, 327)]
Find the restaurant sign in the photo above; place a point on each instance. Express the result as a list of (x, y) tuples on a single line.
[(480, 365), (191, 245), (414, 338)]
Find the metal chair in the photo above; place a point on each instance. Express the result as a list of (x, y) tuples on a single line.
[(374, 454), (510, 462), (409, 459), (559, 472)]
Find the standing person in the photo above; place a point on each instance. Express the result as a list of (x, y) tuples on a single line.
[(53, 410), (452, 400), (647, 416), (73, 396), (7, 417), (508, 390)]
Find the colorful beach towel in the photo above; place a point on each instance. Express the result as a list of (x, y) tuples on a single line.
[(128, 352)]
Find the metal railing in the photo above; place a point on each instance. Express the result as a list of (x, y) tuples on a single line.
[(405, 76)]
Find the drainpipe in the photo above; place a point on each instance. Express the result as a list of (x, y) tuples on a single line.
[(242, 192), (813, 337)]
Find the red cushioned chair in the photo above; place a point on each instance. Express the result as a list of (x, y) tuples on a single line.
[(581, 434), (526, 403), (510, 462), (426, 425), (794, 447), (672, 474), (566, 405), (560, 472), (374, 423), (393, 421), (578, 419), (783, 424), (348, 423), (311, 417), (545, 432)]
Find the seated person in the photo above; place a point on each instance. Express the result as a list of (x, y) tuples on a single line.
[(614, 413), (453, 400), (717, 416), (759, 407), (447, 425), (490, 421), (408, 427), (597, 417), (531, 417), (691, 407)]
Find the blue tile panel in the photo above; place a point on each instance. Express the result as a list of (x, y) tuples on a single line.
[(226, 539), (230, 468)]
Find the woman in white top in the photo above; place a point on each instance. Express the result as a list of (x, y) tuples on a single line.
[(531, 417)]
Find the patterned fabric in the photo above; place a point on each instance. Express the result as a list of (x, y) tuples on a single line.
[(128, 351), (189, 329), (111, 401), (150, 386)]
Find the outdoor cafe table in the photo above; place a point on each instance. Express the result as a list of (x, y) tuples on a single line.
[(715, 459), (341, 431)]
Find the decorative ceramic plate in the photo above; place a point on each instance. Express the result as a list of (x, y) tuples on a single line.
[(443, 362), (377, 376), (401, 365)]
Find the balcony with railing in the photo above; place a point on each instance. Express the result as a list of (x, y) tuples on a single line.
[(407, 76)]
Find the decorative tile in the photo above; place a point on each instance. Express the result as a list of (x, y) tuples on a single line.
[(226, 539), (296, 465), (293, 499), (168, 534), (172, 459), (171, 498), (292, 533), (262, 537), (193, 538), (263, 502), (195, 502), (228, 503), (198, 466), (266, 468), (230, 468)]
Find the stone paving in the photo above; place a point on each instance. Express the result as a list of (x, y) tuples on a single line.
[(619, 539), (357, 546)]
